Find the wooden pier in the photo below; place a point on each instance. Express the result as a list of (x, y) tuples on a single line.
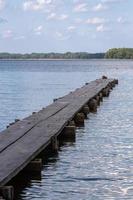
[(23, 140)]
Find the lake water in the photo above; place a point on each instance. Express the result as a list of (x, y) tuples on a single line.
[(99, 164)]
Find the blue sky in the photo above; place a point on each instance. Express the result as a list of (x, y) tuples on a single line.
[(65, 25)]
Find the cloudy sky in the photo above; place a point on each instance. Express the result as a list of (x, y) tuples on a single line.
[(65, 25)]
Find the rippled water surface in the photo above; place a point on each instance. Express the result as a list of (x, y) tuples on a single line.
[(99, 164)]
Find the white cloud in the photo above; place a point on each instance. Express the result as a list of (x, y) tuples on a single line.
[(61, 36), (2, 4), (38, 30), (35, 4), (121, 20), (82, 7), (63, 17), (101, 28), (7, 34), (99, 7), (95, 21), (71, 28), (112, 1), (51, 16)]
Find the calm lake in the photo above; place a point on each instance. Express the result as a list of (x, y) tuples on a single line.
[(99, 164)]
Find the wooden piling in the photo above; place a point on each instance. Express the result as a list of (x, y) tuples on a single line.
[(93, 105), (1, 198), (85, 110), (71, 123), (105, 92), (79, 119), (54, 144), (34, 165), (7, 192), (69, 132), (100, 96), (97, 98)]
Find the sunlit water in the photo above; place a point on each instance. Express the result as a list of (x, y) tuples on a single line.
[(99, 164)]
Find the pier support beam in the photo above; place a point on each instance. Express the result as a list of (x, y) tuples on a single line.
[(110, 86), (105, 92), (113, 84), (69, 132), (79, 119), (86, 110), (100, 96), (93, 105), (34, 165), (71, 123), (116, 81), (97, 98), (7, 192), (1, 198), (54, 144)]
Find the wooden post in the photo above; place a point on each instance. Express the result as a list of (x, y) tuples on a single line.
[(12, 123), (86, 110), (97, 99), (54, 143), (113, 84), (34, 165), (110, 86), (116, 81), (69, 132), (7, 192), (71, 123), (100, 96), (105, 92), (79, 119), (1, 198), (93, 105)]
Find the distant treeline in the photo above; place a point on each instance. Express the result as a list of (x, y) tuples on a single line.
[(68, 55), (115, 53), (120, 53)]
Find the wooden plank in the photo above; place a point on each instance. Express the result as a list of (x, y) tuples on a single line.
[(19, 146), (18, 130)]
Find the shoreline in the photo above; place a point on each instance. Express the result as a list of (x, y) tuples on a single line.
[(58, 59), (51, 59)]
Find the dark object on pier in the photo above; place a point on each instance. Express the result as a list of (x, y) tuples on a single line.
[(104, 77)]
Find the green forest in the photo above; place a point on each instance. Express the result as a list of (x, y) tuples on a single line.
[(114, 53), (67, 55), (119, 53)]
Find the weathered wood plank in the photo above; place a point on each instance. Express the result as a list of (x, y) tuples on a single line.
[(18, 130)]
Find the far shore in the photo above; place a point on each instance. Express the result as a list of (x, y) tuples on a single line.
[(59, 59)]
